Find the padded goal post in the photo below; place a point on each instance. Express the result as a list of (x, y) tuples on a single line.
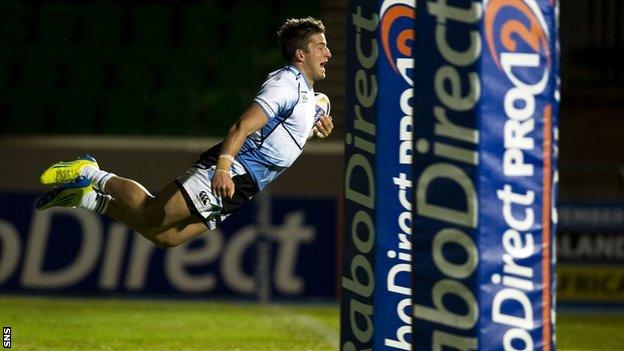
[(450, 175), (485, 174)]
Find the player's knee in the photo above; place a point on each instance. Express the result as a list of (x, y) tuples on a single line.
[(151, 216), (165, 241)]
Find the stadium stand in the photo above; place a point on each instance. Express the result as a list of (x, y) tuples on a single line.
[(5, 70), (85, 68), (14, 23), (235, 68), (151, 26), (72, 111), (290, 9), (184, 68), (146, 67), (102, 25), (200, 26), (123, 113), (57, 22), (136, 68), (27, 110), (221, 103), (251, 28), (174, 112)]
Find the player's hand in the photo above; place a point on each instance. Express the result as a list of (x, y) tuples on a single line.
[(324, 126), (222, 184)]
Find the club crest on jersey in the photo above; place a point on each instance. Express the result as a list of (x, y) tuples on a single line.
[(304, 96)]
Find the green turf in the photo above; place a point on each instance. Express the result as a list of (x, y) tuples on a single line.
[(91, 324), (111, 324), (591, 331)]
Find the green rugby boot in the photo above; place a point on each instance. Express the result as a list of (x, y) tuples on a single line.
[(63, 172), (65, 195)]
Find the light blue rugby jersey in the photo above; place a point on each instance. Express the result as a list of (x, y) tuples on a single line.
[(289, 104)]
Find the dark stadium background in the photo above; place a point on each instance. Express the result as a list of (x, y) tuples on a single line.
[(146, 85), (181, 68), (137, 68)]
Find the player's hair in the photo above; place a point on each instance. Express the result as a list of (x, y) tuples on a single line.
[(295, 34)]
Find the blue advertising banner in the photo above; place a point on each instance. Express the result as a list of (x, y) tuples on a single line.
[(519, 108), (485, 174), (358, 279), (395, 73), (76, 251), (446, 161)]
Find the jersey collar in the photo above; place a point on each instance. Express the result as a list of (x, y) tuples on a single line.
[(298, 73)]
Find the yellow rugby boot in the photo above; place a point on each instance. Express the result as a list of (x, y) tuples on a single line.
[(63, 172), (65, 195)]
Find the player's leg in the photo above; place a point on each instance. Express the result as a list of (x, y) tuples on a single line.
[(169, 219), (167, 208), (164, 219), (164, 236)]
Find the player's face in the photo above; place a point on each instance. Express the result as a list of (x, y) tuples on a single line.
[(317, 56)]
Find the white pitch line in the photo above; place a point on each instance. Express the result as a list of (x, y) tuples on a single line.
[(329, 335)]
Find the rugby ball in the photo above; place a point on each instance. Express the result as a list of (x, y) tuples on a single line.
[(323, 107)]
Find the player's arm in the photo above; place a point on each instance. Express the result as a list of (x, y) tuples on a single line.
[(251, 121)]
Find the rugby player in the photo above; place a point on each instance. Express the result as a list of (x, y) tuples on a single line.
[(263, 143)]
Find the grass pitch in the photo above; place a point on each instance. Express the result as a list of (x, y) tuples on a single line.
[(111, 324), (591, 330), (104, 324)]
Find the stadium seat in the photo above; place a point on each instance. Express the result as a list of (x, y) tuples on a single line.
[(297, 9), (136, 68), (235, 68), (5, 70), (14, 17), (27, 110), (39, 67), (255, 16), (223, 107), (200, 25), (57, 22), (270, 60), (124, 113), (102, 25), (184, 67), (85, 68), (73, 110), (174, 112), (151, 25)]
